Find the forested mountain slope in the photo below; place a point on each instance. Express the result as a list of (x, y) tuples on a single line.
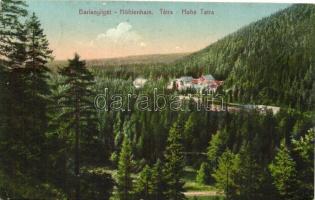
[(270, 61)]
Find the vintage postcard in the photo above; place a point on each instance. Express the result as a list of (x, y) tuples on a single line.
[(157, 100)]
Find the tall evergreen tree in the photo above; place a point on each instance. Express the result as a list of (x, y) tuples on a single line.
[(124, 181), (303, 153), (26, 126), (226, 173), (38, 52), (158, 181), (11, 23), (143, 186), (174, 164), (216, 147), (11, 19), (77, 103), (284, 173), (23, 145), (250, 175), (59, 139), (37, 89), (16, 57), (190, 131)]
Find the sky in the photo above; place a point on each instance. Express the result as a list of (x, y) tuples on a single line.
[(119, 35)]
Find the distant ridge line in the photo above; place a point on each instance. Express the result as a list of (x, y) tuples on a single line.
[(132, 59)]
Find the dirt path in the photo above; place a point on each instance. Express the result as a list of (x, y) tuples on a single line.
[(200, 193)]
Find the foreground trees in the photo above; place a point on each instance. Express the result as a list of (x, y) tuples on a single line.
[(226, 173), (9, 23), (174, 164), (124, 181), (158, 181), (75, 103), (24, 103), (248, 172), (284, 173), (291, 169), (26, 156), (144, 187), (78, 119)]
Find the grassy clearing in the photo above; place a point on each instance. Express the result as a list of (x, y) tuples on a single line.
[(191, 184), (203, 192), (206, 198)]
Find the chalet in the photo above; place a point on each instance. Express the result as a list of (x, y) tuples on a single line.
[(205, 82), (214, 85), (181, 83), (184, 82)]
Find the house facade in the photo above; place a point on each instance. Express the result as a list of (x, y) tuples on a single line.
[(205, 82)]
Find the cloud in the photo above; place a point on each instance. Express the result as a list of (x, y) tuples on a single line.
[(142, 44), (178, 48), (117, 41), (121, 34)]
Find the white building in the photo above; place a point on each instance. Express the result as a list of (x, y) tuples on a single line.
[(181, 83), (139, 82), (205, 82)]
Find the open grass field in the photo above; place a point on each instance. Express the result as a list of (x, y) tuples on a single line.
[(206, 198), (198, 191)]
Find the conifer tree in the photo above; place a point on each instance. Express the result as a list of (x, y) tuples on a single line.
[(226, 173), (190, 131), (77, 103), (303, 149), (59, 139), (284, 173), (37, 89), (143, 186), (23, 145), (11, 19), (26, 126), (158, 181), (174, 164), (124, 181), (17, 55), (250, 175), (203, 174), (117, 132), (12, 15), (216, 147), (38, 52)]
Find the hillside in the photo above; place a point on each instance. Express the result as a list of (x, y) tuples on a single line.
[(270, 61)]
